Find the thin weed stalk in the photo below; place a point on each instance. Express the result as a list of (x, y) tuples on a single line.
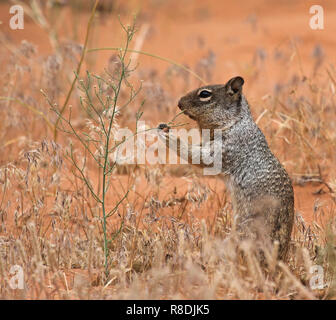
[(98, 143), (88, 29)]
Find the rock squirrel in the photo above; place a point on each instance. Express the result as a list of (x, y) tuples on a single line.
[(260, 188)]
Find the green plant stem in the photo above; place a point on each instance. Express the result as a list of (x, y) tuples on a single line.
[(106, 160)]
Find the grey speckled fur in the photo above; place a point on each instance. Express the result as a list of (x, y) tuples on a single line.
[(260, 188)]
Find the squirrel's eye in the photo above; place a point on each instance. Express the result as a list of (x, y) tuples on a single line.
[(204, 94)]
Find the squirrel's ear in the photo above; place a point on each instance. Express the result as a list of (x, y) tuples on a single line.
[(235, 84)]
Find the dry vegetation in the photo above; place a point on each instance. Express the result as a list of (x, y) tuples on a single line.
[(53, 217)]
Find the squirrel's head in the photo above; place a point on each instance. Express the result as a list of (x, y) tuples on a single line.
[(215, 106)]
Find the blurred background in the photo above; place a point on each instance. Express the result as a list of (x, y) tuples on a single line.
[(227, 37)]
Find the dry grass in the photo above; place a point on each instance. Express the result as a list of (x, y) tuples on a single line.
[(158, 249)]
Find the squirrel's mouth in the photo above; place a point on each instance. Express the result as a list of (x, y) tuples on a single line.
[(188, 114)]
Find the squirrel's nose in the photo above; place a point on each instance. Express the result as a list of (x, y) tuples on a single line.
[(180, 104)]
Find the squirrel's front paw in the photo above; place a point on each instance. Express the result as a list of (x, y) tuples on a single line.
[(163, 127)]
